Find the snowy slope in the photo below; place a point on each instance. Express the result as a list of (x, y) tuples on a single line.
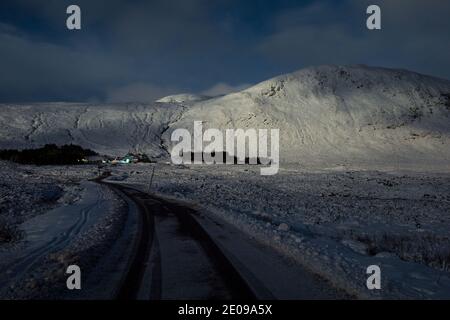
[(328, 114), (183, 98), (335, 114), (108, 129)]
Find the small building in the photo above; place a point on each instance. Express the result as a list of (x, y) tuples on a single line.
[(127, 159)]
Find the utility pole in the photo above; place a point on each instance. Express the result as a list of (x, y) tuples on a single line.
[(151, 180)]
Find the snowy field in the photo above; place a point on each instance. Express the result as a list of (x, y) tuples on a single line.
[(52, 217), (26, 191), (335, 221)]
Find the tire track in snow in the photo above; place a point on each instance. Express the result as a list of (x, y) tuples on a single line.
[(168, 226), (21, 267)]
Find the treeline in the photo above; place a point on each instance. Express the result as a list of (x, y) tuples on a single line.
[(50, 154)]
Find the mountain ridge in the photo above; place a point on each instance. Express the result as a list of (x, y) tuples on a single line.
[(326, 114)]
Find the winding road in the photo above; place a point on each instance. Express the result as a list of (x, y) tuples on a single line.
[(167, 250), (175, 258), (180, 253)]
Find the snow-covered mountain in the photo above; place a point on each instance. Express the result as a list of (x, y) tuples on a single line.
[(108, 129), (326, 114), (333, 114)]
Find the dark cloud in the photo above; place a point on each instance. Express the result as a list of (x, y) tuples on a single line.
[(138, 92), (34, 70), (222, 88), (141, 50), (414, 35)]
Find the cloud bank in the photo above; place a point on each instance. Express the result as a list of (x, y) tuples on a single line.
[(142, 50)]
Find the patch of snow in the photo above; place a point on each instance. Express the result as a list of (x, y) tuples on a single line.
[(183, 98)]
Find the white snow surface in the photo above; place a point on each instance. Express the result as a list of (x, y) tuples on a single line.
[(327, 115), (183, 98), (62, 219), (333, 114), (113, 129), (334, 222)]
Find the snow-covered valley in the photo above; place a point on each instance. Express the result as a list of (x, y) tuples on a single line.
[(334, 222), (364, 176)]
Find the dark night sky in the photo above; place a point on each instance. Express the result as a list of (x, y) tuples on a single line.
[(141, 50)]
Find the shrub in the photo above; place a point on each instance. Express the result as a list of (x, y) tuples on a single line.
[(50, 154)]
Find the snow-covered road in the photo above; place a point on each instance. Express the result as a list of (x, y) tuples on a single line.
[(191, 255)]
